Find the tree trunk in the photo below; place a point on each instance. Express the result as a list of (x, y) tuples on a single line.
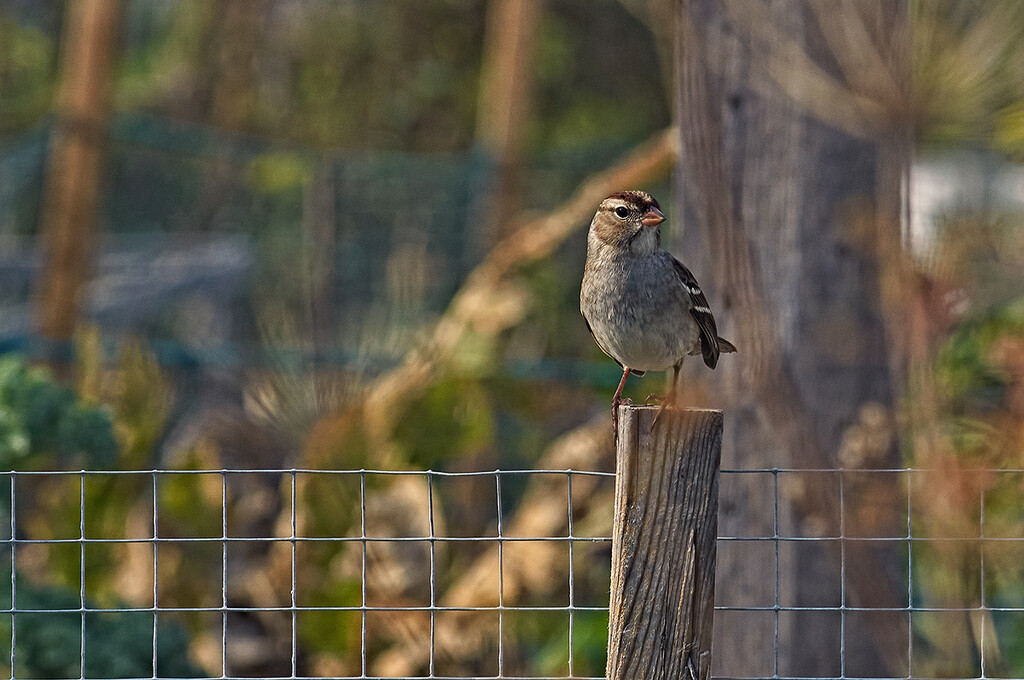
[(506, 96), (74, 176), (782, 183)]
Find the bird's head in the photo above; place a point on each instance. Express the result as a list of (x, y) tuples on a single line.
[(629, 220)]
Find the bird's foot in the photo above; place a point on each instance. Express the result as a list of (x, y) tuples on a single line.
[(655, 399), (615, 414), (668, 401)]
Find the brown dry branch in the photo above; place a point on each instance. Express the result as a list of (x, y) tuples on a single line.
[(543, 511), (796, 75), (871, 89)]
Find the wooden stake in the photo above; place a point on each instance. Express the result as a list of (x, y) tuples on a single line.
[(506, 96), (71, 196), (664, 544)]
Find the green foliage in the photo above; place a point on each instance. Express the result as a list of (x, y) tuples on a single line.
[(188, 504), (368, 76), (45, 425), (609, 60), (977, 382), (1010, 629), (540, 642), (965, 367), (453, 419), (334, 633), (27, 58), (135, 389), (1009, 132), (42, 422), (279, 171), (590, 643), (117, 644), (355, 75), (967, 72)]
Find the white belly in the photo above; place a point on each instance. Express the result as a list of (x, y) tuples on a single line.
[(657, 345), (639, 314)]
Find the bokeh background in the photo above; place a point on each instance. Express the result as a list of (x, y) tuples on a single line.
[(344, 234)]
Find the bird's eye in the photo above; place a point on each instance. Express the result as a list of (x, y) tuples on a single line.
[(621, 212)]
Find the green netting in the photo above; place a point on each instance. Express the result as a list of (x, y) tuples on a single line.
[(406, 229)]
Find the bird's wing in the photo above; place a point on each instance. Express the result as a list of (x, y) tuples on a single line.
[(701, 313), (587, 321)]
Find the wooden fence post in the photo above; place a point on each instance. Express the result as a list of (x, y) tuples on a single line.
[(664, 544), (74, 169)]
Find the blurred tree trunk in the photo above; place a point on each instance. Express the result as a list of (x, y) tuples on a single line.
[(233, 93), (506, 97), (74, 175), (793, 168)]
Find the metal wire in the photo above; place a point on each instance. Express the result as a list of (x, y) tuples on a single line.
[(14, 580), (501, 579), (512, 654), (572, 571)]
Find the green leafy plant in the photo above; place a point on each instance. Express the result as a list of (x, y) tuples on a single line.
[(43, 423), (117, 644)]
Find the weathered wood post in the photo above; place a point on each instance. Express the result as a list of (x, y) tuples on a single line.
[(664, 544)]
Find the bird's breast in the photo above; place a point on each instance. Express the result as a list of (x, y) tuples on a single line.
[(637, 311)]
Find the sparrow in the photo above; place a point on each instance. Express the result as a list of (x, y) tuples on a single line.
[(644, 308)]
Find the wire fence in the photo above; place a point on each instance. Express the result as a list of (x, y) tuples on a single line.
[(301, 573)]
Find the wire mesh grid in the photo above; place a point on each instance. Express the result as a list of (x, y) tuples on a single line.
[(360, 594)]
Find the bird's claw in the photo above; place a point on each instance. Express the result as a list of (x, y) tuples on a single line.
[(615, 414), (668, 402)]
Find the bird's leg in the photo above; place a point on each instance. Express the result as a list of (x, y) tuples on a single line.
[(616, 400), (670, 398), (660, 398), (653, 399)]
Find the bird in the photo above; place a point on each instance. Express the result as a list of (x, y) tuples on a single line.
[(644, 308)]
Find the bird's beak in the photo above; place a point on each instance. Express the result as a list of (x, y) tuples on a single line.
[(652, 218)]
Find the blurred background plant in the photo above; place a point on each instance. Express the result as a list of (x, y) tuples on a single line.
[(337, 234)]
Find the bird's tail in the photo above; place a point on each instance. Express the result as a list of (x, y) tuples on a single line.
[(725, 346)]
